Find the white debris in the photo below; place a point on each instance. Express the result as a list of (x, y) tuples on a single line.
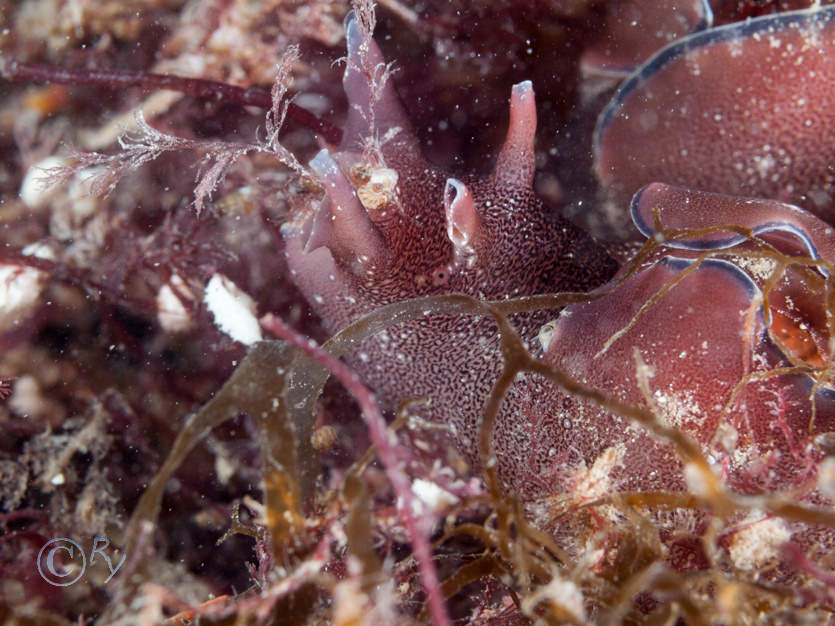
[(698, 483), (27, 400), (826, 477), (757, 543), (727, 436), (350, 604), (546, 333), (563, 595), (234, 311), (593, 484), (224, 468), (21, 287), (433, 496), (172, 313), (34, 191), (40, 250)]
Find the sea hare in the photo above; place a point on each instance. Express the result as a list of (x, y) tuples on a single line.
[(742, 109), (727, 348), (720, 331), (393, 227)]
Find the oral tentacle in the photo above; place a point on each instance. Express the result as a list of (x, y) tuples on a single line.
[(374, 109), (490, 237), (324, 280), (354, 235), (516, 162), (463, 223)]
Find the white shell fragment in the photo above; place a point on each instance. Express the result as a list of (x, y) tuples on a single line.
[(323, 438), (380, 188), (172, 313), (234, 311)]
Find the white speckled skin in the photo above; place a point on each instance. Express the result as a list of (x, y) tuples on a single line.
[(485, 236)]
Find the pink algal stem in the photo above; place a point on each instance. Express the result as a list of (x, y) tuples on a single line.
[(798, 558), (389, 453), (197, 87)]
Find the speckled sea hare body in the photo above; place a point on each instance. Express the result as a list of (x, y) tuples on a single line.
[(623, 45), (692, 341), (394, 227), (743, 109)]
